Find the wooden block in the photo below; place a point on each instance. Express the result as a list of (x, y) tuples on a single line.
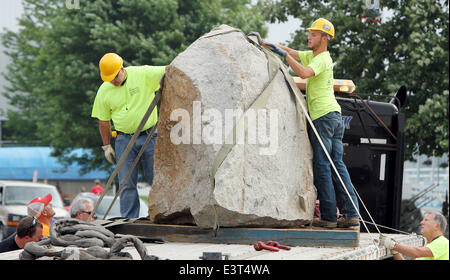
[(285, 236)]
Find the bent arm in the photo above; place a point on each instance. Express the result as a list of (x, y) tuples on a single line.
[(291, 52), (302, 71), (412, 251), (293, 59)]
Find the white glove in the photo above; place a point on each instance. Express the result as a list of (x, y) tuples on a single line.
[(389, 243), (110, 155)]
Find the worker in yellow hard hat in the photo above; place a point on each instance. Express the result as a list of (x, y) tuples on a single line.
[(324, 26), (316, 66), (124, 97), (110, 65)]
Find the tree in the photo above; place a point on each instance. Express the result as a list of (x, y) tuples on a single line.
[(54, 72), (409, 47)]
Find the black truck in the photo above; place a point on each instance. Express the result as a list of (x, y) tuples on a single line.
[(374, 144)]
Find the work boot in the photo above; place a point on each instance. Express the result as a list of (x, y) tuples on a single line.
[(348, 222), (318, 222)]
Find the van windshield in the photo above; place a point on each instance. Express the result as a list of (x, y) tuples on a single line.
[(22, 195)]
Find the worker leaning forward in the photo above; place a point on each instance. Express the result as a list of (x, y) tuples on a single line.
[(124, 98), (325, 113)]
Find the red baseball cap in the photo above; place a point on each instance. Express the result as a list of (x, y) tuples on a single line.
[(45, 200)]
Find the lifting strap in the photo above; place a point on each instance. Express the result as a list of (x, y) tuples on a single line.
[(122, 159), (274, 66), (292, 87), (260, 102), (135, 162)]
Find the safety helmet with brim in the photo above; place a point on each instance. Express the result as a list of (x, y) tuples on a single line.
[(324, 26), (110, 65)]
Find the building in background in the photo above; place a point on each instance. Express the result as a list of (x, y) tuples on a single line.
[(425, 182), (9, 14), (36, 164)]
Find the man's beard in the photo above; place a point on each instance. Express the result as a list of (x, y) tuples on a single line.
[(313, 48)]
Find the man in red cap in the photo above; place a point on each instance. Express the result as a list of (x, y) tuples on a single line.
[(41, 208)]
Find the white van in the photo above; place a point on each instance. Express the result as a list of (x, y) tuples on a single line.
[(14, 198)]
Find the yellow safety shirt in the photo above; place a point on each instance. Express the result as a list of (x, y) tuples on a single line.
[(439, 248), (45, 229), (127, 104), (319, 88)]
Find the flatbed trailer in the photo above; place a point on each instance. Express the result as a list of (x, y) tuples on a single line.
[(306, 243), (365, 249), (193, 251)]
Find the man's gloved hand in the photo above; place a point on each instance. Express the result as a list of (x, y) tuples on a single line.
[(110, 155), (256, 34), (389, 243), (274, 48)]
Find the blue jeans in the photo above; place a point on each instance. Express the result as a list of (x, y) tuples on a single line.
[(331, 130), (129, 198)]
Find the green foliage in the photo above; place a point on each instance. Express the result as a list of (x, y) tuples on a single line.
[(432, 112), (409, 47), (54, 72)]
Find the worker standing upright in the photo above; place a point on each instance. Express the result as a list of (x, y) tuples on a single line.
[(124, 97), (325, 114)]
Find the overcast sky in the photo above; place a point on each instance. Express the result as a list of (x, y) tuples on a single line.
[(12, 9), (9, 12)]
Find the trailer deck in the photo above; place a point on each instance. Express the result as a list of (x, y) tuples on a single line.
[(366, 250)]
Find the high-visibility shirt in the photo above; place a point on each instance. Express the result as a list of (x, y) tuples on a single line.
[(45, 229), (439, 248), (127, 104), (319, 88)]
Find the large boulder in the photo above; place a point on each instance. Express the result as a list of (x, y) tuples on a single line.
[(265, 178)]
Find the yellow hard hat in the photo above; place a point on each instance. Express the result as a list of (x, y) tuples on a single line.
[(110, 65), (323, 25)]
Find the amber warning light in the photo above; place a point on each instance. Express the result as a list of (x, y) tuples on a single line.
[(339, 85)]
